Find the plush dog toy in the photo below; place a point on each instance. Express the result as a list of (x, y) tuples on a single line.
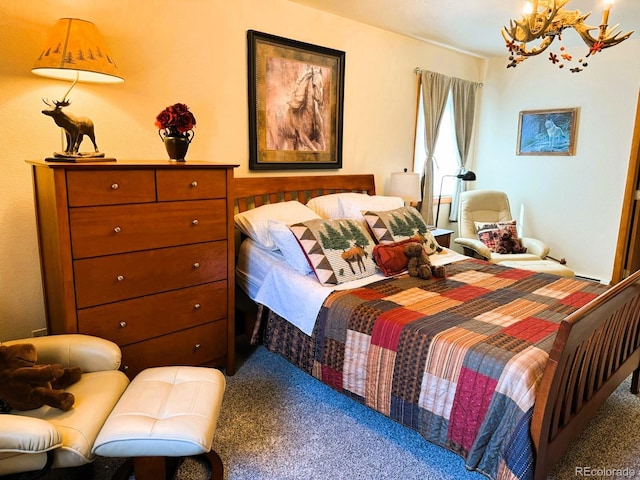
[(507, 243), (419, 263), (25, 385)]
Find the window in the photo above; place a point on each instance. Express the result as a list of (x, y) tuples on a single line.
[(446, 156)]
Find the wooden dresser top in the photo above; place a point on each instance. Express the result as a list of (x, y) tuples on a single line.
[(134, 164)]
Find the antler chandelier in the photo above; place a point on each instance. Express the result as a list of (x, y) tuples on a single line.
[(544, 20)]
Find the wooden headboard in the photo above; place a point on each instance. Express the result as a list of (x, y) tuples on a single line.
[(252, 192)]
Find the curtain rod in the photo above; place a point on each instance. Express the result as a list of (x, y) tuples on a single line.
[(418, 71)]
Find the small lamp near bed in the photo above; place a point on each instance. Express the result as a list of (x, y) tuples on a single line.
[(406, 186), (465, 176)]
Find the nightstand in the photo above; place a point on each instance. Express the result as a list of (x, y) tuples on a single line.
[(442, 236)]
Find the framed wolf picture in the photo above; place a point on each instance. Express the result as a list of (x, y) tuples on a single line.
[(547, 132)]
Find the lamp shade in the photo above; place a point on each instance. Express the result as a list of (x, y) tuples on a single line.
[(467, 176), (405, 185), (75, 50)]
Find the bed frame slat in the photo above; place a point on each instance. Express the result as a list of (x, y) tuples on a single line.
[(595, 349), (253, 192)]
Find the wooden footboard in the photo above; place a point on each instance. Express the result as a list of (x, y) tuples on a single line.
[(595, 349)]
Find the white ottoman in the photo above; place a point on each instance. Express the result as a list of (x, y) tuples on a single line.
[(542, 266), (165, 412)]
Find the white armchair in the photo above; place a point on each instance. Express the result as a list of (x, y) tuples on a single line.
[(491, 206), (36, 440)]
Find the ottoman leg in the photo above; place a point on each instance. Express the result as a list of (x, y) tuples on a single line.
[(147, 468), (152, 468), (125, 470), (215, 465), (155, 468)]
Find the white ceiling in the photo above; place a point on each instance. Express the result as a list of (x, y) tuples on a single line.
[(472, 26)]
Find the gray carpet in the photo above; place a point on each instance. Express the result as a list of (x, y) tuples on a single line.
[(278, 423)]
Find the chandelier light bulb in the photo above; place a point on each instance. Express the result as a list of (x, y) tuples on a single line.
[(605, 14)]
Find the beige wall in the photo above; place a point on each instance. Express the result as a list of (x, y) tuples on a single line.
[(571, 202), (193, 52)]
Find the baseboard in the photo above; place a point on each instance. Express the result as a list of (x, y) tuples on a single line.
[(582, 277)]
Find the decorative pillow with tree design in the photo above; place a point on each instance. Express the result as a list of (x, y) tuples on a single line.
[(400, 224), (338, 250)]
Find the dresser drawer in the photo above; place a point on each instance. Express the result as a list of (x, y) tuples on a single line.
[(113, 278), (126, 228), (191, 184), (194, 346), (134, 320), (110, 187)]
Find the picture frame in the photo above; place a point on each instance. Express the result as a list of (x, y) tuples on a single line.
[(547, 132), (296, 104)]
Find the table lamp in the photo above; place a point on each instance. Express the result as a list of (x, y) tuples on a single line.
[(75, 51), (405, 185)]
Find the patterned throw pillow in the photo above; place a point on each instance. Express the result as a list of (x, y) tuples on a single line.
[(488, 232), (338, 250), (399, 224), (489, 236)]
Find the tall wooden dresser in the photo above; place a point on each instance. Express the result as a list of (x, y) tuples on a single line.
[(140, 253)]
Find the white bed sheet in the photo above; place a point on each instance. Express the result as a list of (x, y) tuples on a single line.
[(253, 265), (266, 277)]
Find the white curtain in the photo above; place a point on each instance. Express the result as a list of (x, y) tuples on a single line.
[(435, 90), (463, 93)]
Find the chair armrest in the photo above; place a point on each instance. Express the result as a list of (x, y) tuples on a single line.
[(535, 246), (20, 434), (475, 245), (91, 354)]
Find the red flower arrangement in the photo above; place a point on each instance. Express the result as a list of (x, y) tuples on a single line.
[(176, 117)]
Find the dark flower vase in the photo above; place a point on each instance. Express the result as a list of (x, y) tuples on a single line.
[(176, 143)]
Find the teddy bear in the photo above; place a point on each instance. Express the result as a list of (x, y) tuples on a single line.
[(25, 385), (506, 242), (419, 263)]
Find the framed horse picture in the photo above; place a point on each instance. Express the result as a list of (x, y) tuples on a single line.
[(547, 132), (296, 97)]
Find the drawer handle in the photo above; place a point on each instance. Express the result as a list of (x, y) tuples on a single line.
[(194, 221), (196, 347), (194, 184), (197, 306), (117, 229), (115, 186), (123, 324), (120, 278), (196, 265)]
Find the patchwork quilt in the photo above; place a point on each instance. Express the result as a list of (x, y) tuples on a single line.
[(457, 359)]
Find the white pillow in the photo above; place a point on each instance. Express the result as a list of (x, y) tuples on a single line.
[(255, 223), (288, 245), (327, 206), (352, 207), (350, 204)]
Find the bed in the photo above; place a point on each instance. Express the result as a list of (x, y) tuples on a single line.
[(510, 402)]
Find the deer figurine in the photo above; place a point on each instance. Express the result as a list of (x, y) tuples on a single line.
[(75, 127)]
